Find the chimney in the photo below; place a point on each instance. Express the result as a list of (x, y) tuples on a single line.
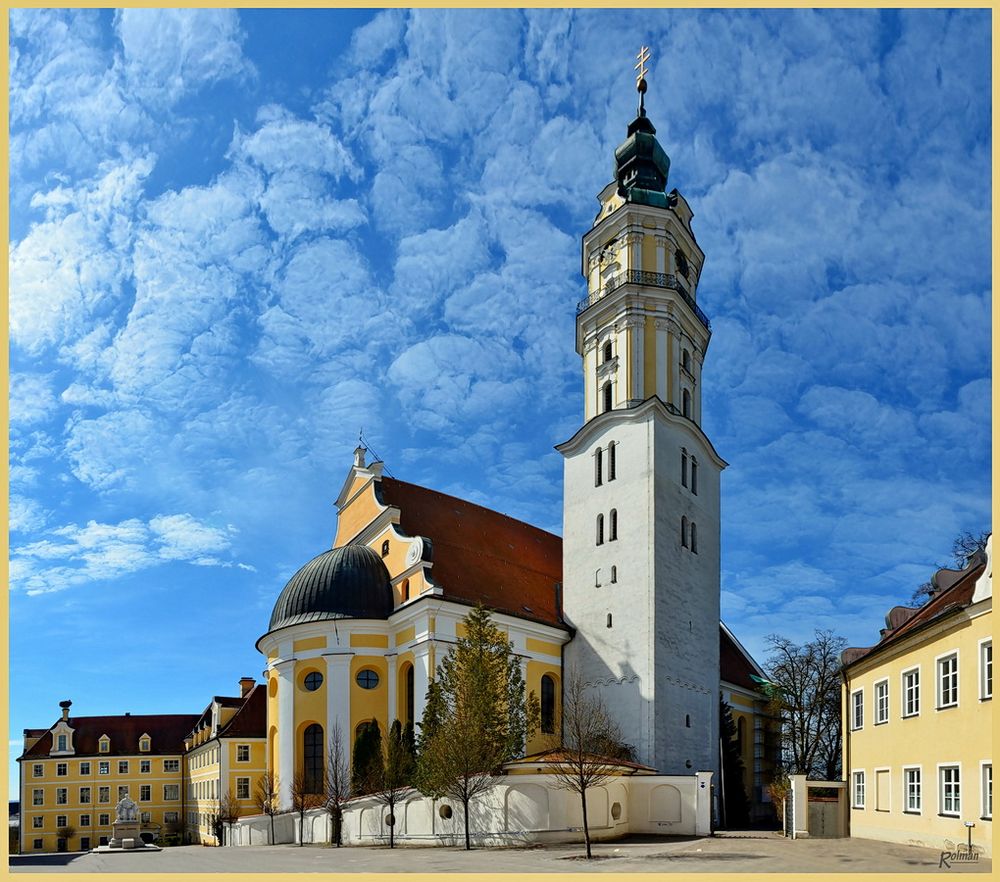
[(65, 705), (246, 685), (127, 714), (359, 456)]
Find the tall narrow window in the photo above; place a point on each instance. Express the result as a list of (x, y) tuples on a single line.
[(911, 777), (948, 681), (385, 548), (406, 589), (686, 404), (686, 360), (950, 790), (694, 537), (608, 402), (614, 575), (987, 790), (684, 532), (882, 702), (684, 467), (911, 693), (859, 790), (986, 669), (694, 476), (312, 758), (613, 525), (609, 620), (598, 467), (607, 351), (548, 705), (611, 460), (858, 709), (600, 529), (409, 694)]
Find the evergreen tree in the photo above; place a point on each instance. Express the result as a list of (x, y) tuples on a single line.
[(477, 716), (735, 806), (366, 765)]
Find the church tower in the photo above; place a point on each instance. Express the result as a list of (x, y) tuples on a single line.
[(641, 478)]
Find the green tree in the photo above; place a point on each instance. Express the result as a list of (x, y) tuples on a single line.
[(735, 805), (396, 774), (366, 763), (477, 716)]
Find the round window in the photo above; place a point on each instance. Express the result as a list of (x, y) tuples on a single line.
[(367, 679), (313, 680), (445, 811)]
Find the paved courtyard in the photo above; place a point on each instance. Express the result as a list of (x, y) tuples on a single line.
[(730, 853)]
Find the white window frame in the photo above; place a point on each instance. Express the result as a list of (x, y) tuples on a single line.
[(145, 767), (907, 809), (85, 767), (904, 691), (170, 817), (857, 777), (877, 705), (104, 767), (169, 765), (103, 788), (855, 725), (122, 767), (62, 796), (85, 820), (240, 748), (938, 679), (62, 771), (104, 819), (37, 770), (242, 780), (985, 668), (81, 800), (941, 768), (174, 789), (148, 790), (986, 790), (62, 821), (37, 822)]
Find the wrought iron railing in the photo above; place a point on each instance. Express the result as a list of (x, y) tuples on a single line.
[(653, 280)]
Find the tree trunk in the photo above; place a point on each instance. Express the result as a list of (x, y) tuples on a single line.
[(468, 845), (302, 827), (272, 830), (586, 827), (392, 828)]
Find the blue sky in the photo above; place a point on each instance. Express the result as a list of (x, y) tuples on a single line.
[(236, 237)]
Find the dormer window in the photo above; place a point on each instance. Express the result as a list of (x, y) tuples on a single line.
[(61, 742), (104, 745), (144, 744)]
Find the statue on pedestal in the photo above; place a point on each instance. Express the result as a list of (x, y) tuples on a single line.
[(126, 810)]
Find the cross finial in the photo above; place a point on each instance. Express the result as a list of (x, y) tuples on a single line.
[(640, 77)]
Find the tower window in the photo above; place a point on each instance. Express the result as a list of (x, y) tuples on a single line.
[(684, 532), (611, 460), (687, 720), (607, 351), (686, 404), (609, 620), (548, 705), (608, 403), (686, 360), (409, 693), (614, 575), (613, 525), (694, 476), (600, 529), (598, 467), (694, 537), (597, 578), (385, 548), (682, 263), (684, 467), (312, 758)]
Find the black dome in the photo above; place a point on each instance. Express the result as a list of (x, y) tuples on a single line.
[(344, 583)]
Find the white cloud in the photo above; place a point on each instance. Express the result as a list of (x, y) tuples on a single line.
[(31, 399)]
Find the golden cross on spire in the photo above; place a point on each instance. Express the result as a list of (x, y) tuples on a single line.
[(643, 57)]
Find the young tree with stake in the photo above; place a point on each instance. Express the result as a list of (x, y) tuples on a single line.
[(304, 798), (337, 785), (396, 774), (265, 797)]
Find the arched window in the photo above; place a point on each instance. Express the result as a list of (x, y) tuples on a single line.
[(597, 578), (681, 263), (608, 402), (385, 548), (598, 467), (409, 694), (609, 620), (600, 529), (684, 467), (694, 537), (613, 525), (686, 404), (740, 731), (312, 758), (406, 589), (614, 575), (684, 532), (694, 476), (548, 705), (687, 720), (611, 460), (607, 351), (686, 360)]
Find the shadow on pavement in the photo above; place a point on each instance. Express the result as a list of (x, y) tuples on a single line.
[(45, 860)]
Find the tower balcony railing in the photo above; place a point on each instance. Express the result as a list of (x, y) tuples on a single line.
[(653, 280)]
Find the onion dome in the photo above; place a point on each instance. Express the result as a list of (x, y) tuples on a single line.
[(343, 583), (641, 164)]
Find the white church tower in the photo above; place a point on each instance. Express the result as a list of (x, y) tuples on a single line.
[(641, 478)]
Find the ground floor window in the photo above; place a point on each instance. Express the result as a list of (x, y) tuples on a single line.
[(951, 790), (988, 790), (242, 788), (911, 778), (859, 790), (37, 843)]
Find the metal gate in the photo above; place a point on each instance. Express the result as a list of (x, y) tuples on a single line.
[(823, 818)]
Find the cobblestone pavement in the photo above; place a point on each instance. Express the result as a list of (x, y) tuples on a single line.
[(729, 853)]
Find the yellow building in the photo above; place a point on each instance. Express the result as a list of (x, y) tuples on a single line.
[(224, 754), (74, 774), (917, 713)]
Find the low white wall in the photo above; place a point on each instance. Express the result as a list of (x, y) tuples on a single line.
[(520, 809)]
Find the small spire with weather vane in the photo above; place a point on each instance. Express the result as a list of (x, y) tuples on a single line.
[(640, 77)]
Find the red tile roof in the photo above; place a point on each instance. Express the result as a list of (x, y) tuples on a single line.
[(250, 721), (734, 665), (956, 588), (166, 733), (482, 556)]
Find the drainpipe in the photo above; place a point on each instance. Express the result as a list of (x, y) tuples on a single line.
[(845, 711)]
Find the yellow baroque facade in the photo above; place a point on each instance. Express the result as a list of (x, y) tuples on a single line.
[(917, 719)]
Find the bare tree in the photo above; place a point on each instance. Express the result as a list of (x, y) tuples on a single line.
[(395, 775), (266, 798), (963, 546), (304, 798), (588, 733), (337, 783), (805, 690), (229, 813)]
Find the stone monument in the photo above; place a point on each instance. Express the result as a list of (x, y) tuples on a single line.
[(125, 831)]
